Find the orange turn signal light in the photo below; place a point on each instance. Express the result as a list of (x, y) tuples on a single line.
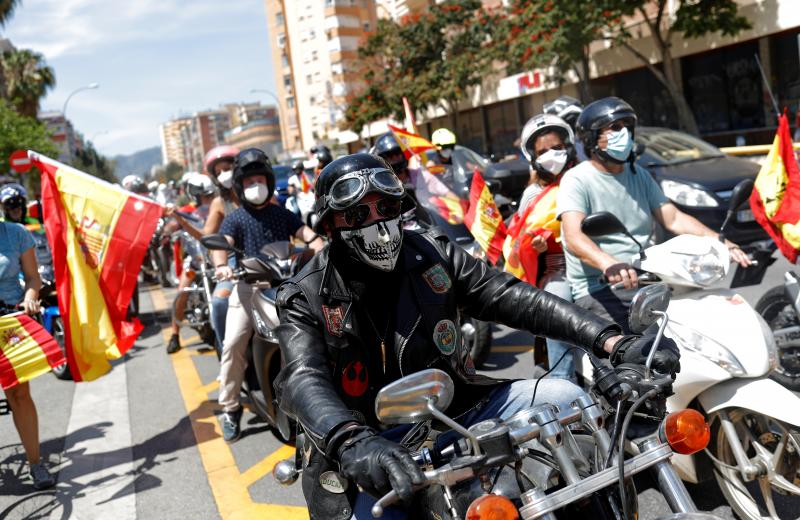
[(492, 507), (686, 431)]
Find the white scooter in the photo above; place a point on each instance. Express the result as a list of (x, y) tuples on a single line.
[(727, 353)]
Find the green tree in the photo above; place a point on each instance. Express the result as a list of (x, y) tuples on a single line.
[(89, 160), (18, 132), (692, 19), (172, 171), (27, 79), (432, 58), (7, 8)]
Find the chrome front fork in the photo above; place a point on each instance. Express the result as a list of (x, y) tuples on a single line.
[(669, 482)]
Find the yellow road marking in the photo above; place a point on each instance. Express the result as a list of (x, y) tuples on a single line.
[(506, 348), (228, 484)]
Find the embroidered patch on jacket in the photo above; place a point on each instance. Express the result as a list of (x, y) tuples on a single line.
[(438, 279), (334, 319), (333, 482), (444, 336), (355, 379)]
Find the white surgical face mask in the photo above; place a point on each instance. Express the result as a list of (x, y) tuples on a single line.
[(377, 245), (553, 161), (225, 178), (619, 145), (256, 193)]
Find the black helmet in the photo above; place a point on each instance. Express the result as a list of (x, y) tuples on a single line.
[(323, 155), (297, 166), (387, 145), (14, 196), (566, 107), (600, 114), (365, 173), (249, 162)]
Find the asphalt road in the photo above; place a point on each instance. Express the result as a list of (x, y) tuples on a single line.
[(144, 441)]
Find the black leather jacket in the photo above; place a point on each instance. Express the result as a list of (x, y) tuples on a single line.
[(319, 332)]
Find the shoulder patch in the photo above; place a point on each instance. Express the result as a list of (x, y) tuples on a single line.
[(438, 279)]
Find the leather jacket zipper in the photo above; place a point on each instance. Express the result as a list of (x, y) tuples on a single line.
[(403, 346)]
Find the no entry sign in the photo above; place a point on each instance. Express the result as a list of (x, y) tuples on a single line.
[(20, 163)]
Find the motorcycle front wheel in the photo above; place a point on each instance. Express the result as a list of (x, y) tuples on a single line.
[(779, 313), (763, 439)]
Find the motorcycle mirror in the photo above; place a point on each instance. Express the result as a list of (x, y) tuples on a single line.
[(218, 241), (406, 400), (646, 305), (639, 149), (741, 192), (604, 223)]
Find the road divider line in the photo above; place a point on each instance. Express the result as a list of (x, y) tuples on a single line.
[(228, 485)]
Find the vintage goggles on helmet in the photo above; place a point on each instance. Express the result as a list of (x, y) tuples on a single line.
[(350, 188)]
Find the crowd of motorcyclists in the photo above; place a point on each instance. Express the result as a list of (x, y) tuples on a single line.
[(383, 296)]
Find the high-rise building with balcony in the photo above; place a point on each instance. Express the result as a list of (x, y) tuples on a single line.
[(172, 142), (314, 54)]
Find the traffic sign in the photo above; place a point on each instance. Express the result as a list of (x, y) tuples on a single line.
[(20, 162)]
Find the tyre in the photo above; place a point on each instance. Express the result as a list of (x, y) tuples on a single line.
[(762, 438), (62, 371), (478, 336), (779, 313)]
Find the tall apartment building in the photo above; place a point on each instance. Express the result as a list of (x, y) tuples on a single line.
[(172, 147), (63, 134), (314, 55)]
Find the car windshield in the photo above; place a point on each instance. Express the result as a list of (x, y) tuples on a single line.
[(672, 147)]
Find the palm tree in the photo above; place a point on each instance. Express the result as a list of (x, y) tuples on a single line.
[(7, 10), (27, 79)]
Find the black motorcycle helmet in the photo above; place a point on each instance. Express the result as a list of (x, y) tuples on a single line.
[(249, 162), (566, 107), (323, 155), (599, 114), (387, 145), (297, 167), (380, 178), (13, 196)]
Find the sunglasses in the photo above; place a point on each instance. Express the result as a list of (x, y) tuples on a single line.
[(355, 216)]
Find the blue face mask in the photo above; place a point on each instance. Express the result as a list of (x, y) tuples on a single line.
[(619, 145)]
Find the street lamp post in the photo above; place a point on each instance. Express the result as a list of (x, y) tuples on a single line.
[(90, 86), (281, 122)]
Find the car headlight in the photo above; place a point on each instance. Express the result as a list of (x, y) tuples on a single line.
[(694, 341), (686, 195)]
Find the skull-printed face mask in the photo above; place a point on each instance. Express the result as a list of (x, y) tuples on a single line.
[(377, 245)]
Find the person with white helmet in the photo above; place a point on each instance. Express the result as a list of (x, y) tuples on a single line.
[(445, 141), (202, 191), (135, 184), (547, 142)]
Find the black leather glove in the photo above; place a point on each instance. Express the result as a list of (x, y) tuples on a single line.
[(379, 465), (635, 349)]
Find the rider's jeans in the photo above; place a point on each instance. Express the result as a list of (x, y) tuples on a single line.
[(219, 310), (503, 402), (238, 330), (556, 283)]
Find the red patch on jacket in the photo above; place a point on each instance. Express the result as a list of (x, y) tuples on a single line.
[(355, 379), (334, 320)]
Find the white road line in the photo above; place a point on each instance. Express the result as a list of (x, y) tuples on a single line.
[(99, 480)]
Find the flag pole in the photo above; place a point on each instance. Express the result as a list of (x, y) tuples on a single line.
[(766, 84)]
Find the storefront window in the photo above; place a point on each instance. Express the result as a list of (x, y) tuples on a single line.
[(647, 96), (503, 128), (786, 69), (470, 130)]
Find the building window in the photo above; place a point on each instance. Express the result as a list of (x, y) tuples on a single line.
[(284, 60), (311, 35), (366, 26), (290, 102), (279, 19), (312, 100), (309, 79), (313, 55), (287, 81), (281, 40)]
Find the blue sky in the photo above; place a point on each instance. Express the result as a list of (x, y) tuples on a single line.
[(153, 59)]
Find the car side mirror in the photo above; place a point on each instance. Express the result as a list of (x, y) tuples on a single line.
[(647, 305), (407, 400)]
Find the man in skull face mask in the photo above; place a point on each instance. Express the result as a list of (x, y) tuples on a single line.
[(379, 303), (249, 228)]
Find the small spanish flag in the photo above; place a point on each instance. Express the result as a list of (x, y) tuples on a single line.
[(484, 219), (26, 350), (411, 144)]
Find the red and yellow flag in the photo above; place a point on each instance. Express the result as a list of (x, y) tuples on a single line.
[(411, 143), (539, 219), (98, 235), (775, 200), (305, 186), (484, 219), (26, 350)]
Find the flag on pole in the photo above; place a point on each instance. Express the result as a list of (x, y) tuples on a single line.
[(26, 350), (411, 143), (775, 200), (538, 219), (98, 234), (484, 219), (410, 123)]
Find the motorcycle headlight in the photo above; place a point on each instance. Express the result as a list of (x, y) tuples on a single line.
[(687, 195), (694, 341), (704, 269)]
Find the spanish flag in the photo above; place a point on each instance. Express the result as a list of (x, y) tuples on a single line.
[(98, 235), (539, 219), (305, 186), (484, 219), (411, 144), (775, 200), (26, 350)]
